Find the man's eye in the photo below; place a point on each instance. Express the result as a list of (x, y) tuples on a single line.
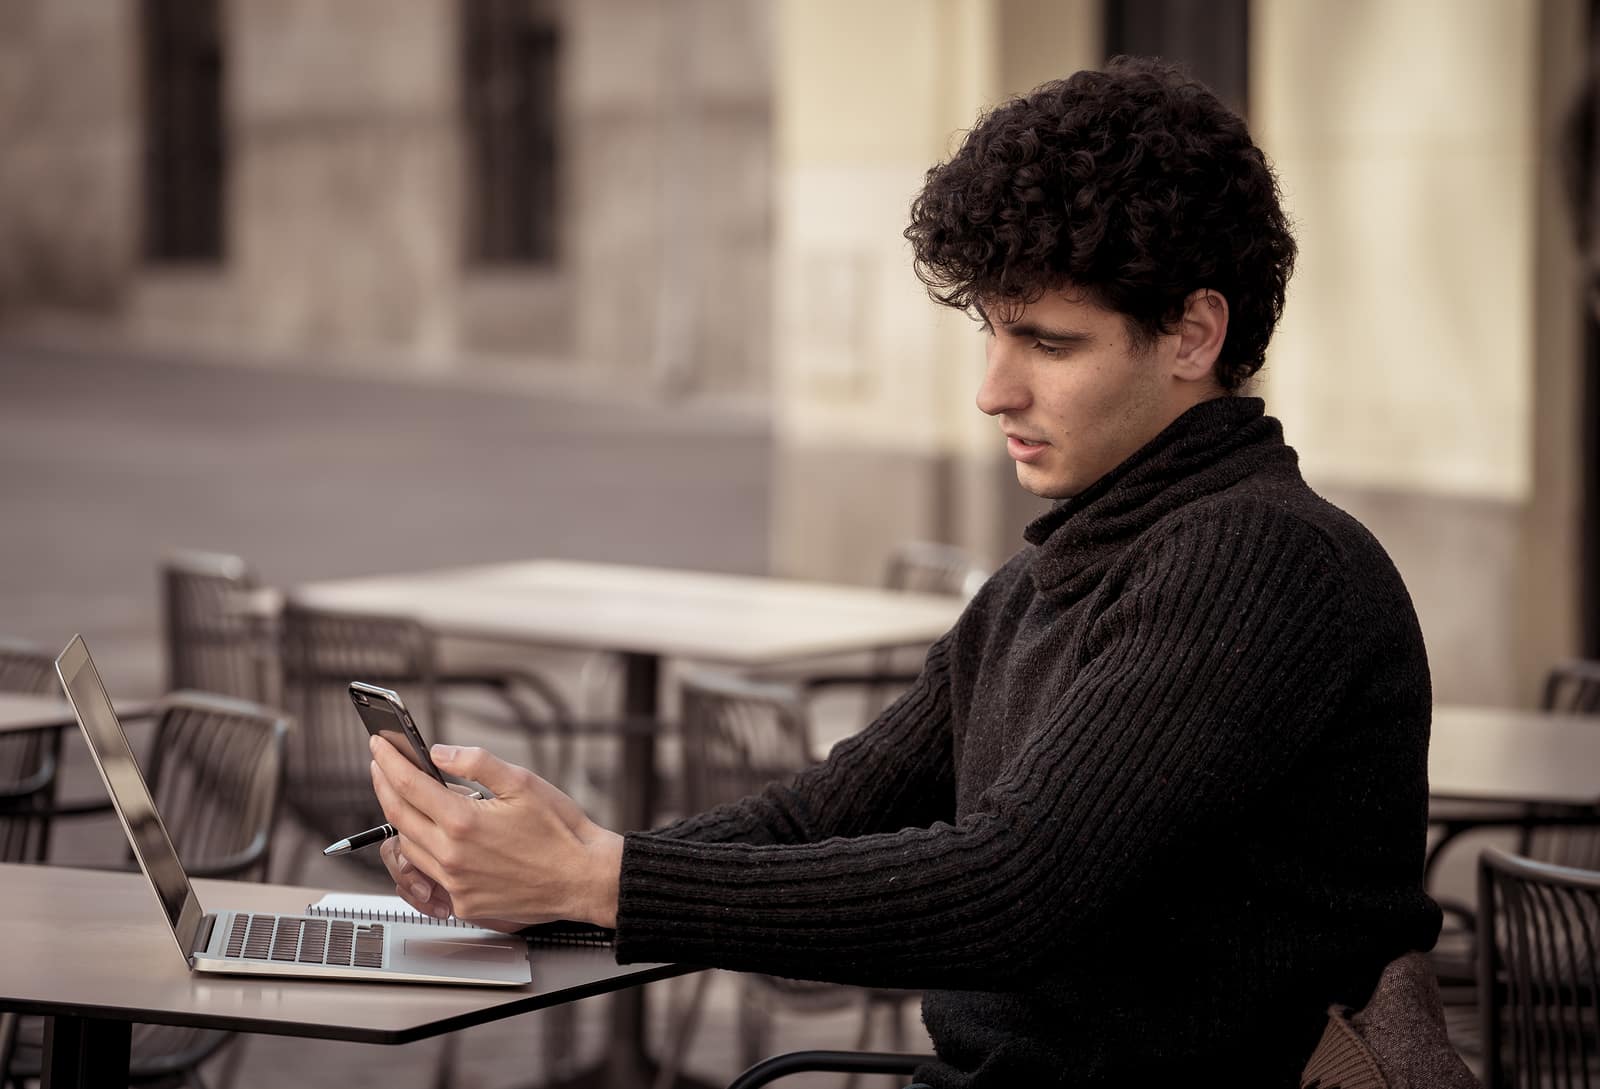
[(1048, 351)]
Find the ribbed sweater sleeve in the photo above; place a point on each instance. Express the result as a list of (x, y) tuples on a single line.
[(894, 774), (1214, 665)]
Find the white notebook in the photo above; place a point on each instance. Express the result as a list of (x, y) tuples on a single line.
[(392, 909)]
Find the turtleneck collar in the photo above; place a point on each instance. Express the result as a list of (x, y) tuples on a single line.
[(1209, 447)]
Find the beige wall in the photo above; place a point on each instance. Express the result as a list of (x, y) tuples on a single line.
[(1431, 320)]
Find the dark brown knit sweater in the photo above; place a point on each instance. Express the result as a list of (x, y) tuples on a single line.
[(1156, 801)]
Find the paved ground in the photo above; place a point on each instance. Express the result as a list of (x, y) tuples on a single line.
[(107, 462)]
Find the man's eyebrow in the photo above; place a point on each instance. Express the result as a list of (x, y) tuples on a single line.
[(1035, 331)]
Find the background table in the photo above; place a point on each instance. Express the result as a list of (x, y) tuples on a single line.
[(20, 712), (89, 949), (1503, 755), (646, 615)]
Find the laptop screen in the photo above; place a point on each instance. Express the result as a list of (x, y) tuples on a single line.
[(137, 810)]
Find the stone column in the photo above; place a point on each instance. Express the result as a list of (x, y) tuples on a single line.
[(876, 436), (1432, 320)]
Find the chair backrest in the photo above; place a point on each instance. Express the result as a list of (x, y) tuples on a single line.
[(216, 772), (28, 760), (1569, 688), (212, 644), (1538, 973), (26, 668), (929, 567), (738, 735), (327, 784), (922, 567), (1573, 687)]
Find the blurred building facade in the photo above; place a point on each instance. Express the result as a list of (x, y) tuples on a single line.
[(1429, 365), (402, 184), (706, 196)]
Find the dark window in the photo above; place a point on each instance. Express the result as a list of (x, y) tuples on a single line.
[(510, 53), (1210, 38), (185, 156)]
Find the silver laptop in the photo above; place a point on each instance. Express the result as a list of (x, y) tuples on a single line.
[(257, 943)]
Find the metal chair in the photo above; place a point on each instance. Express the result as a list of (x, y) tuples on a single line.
[(738, 735), (1538, 973), (215, 773), (213, 642), (26, 668), (1396, 1041), (328, 786), (1560, 837), (28, 760), (924, 567), (921, 567), (1571, 688)]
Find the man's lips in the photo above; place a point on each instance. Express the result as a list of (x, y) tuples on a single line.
[(1022, 449)]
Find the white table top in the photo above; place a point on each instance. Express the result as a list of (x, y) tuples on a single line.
[(735, 619), (1501, 754), (92, 943)]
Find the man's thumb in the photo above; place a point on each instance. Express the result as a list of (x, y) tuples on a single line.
[(479, 765)]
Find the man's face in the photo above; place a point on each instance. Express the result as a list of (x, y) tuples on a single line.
[(1072, 393)]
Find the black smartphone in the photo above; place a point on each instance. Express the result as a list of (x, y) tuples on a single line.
[(385, 716)]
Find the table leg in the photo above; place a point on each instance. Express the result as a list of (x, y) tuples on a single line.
[(82, 1053), (627, 1064)]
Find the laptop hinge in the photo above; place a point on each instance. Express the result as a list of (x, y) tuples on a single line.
[(202, 937)]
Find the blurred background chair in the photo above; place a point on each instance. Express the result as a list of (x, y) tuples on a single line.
[(844, 695), (215, 771), (1571, 688), (28, 760), (1396, 1041), (739, 735), (1538, 973), (1558, 836), (214, 641)]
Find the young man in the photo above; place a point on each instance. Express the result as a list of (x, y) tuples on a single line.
[(1159, 798)]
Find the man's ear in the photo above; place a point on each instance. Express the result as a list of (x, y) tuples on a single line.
[(1201, 331)]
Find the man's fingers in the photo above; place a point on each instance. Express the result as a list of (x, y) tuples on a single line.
[(409, 820), (479, 765), (422, 791), (411, 883)]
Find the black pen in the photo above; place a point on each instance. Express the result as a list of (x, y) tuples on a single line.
[(360, 840), (374, 835)]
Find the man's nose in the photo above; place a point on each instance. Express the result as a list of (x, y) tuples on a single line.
[(1004, 387)]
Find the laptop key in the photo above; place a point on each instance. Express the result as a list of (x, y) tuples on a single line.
[(286, 939), (314, 942), (369, 946), (259, 942), (341, 942)]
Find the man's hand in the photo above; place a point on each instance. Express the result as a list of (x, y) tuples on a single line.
[(527, 855)]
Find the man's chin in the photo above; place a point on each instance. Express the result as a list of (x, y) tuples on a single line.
[(1043, 485)]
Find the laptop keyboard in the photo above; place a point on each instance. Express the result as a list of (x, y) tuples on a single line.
[(295, 940)]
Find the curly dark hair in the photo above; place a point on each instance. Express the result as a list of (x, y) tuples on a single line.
[(1134, 184)]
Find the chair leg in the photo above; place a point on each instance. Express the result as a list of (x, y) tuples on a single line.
[(863, 1036), (687, 1020), (232, 1060), (8, 1043)]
